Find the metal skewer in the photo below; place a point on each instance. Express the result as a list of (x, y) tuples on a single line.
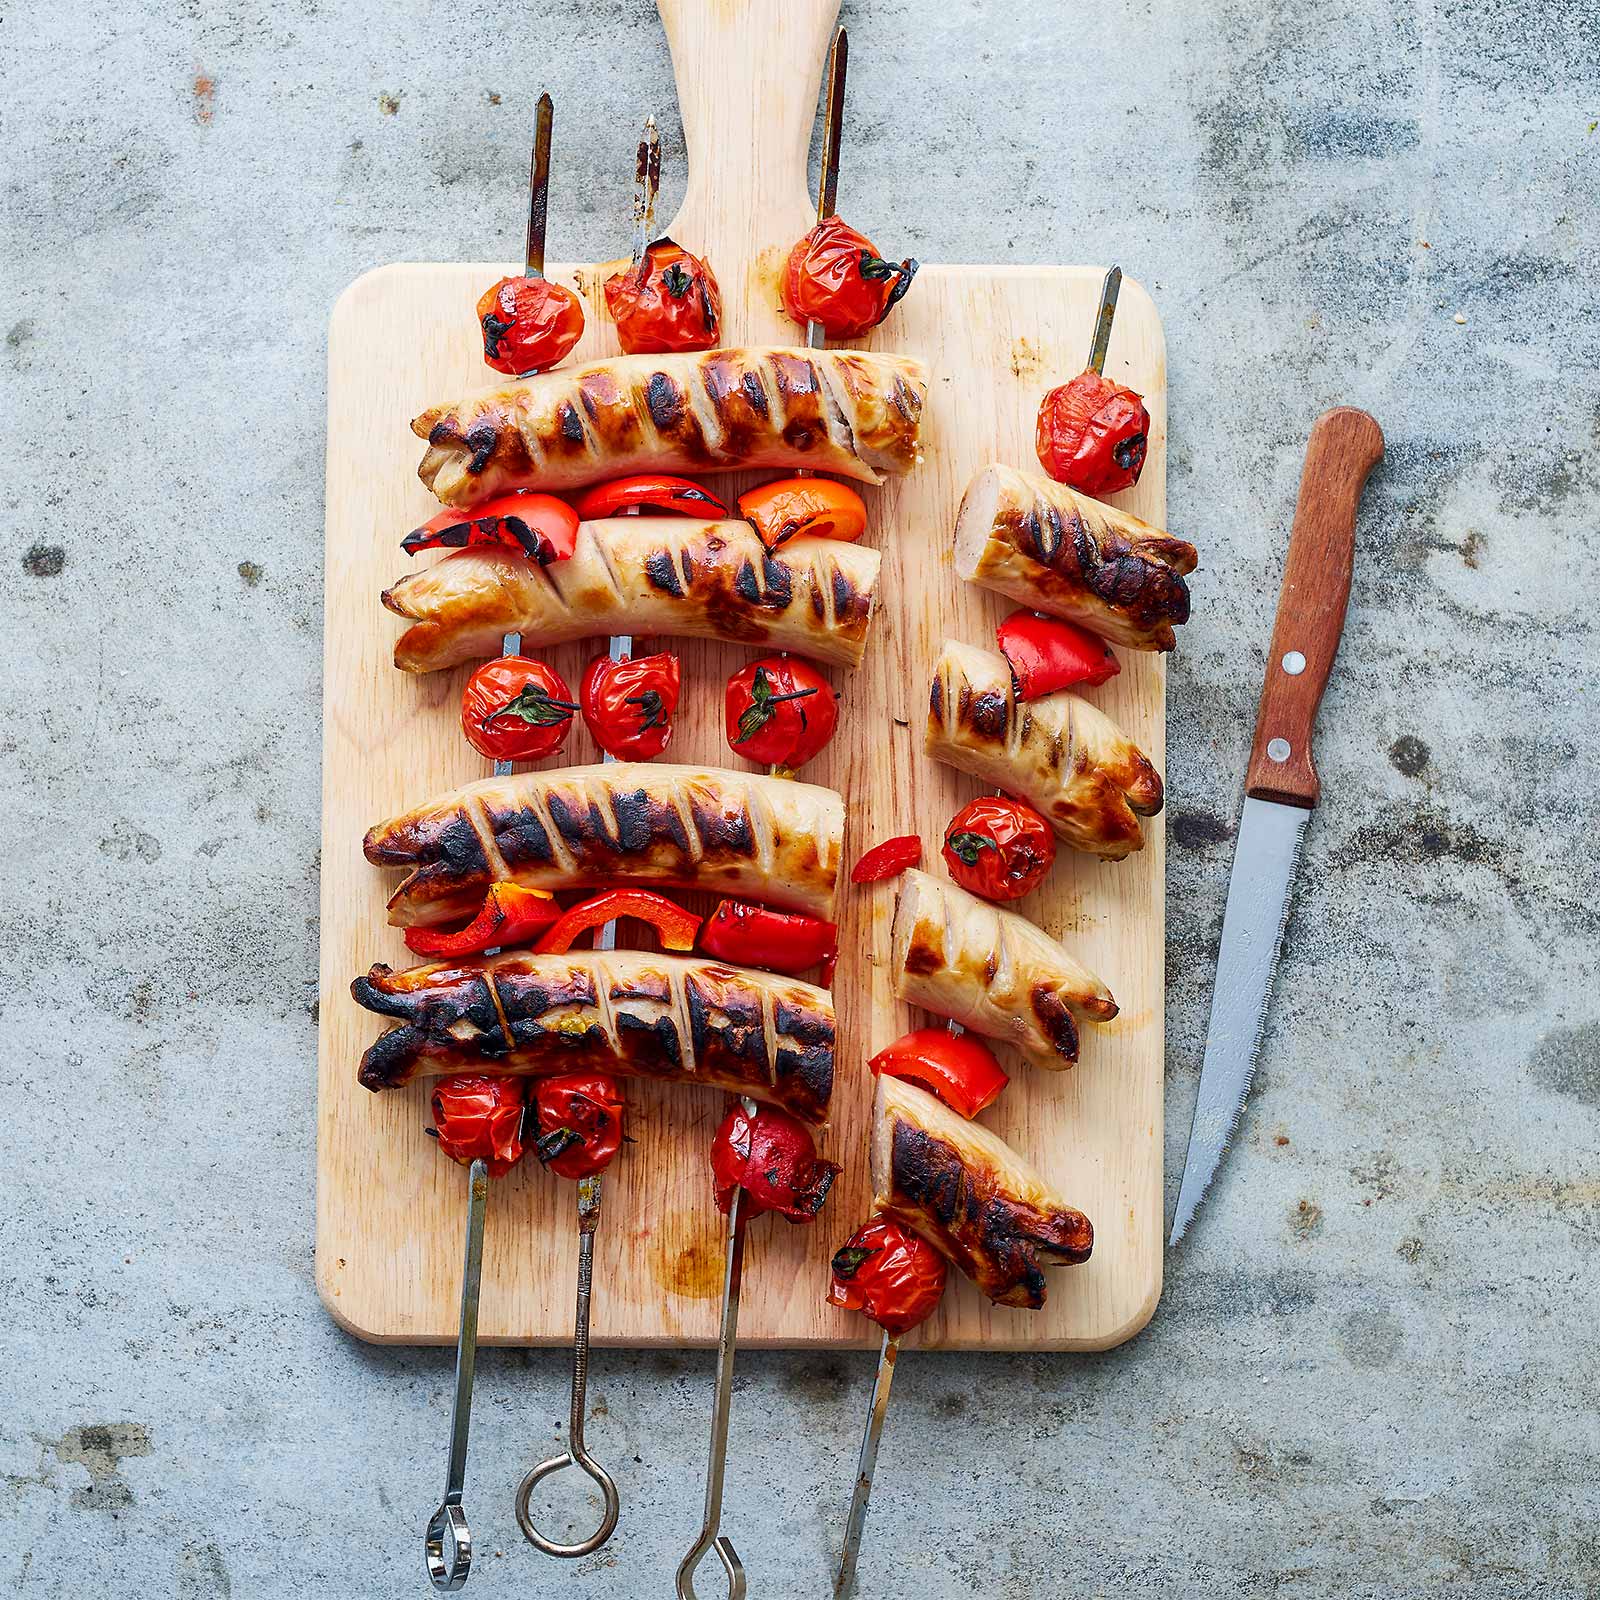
[(1101, 341)]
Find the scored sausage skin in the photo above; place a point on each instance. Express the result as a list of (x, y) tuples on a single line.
[(992, 971), (1067, 759), (627, 1012), (1059, 551), (642, 576), (971, 1196), (852, 413), (738, 833)]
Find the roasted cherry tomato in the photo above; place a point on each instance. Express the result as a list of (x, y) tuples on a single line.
[(674, 926), (528, 324), (1093, 434), (998, 847), (667, 300), (777, 941), (772, 1158), (476, 1117), (510, 915), (957, 1067), (516, 709), (779, 711), (579, 1115), (891, 1276), (1047, 654), (628, 704), (649, 491), (538, 525), (816, 507), (835, 276), (887, 860)]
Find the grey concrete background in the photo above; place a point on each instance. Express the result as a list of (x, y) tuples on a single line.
[(1373, 1373)]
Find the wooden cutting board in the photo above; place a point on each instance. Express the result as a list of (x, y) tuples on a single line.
[(390, 1210)]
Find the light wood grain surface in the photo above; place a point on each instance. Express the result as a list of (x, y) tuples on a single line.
[(390, 1209)]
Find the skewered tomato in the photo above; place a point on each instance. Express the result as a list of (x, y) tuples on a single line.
[(816, 507), (628, 704), (998, 847), (779, 711), (778, 941), (543, 528), (579, 1116), (477, 1117), (667, 300), (509, 915), (516, 709), (958, 1068), (893, 1277), (835, 276), (1093, 434), (674, 926), (528, 324), (649, 491), (887, 860), (1046, 654), (771, 1157)]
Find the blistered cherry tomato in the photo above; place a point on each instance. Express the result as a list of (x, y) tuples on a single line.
[(580, 1122), (477, 1117), (998, 847), (779, 711), (890, 1275), (516, 709), (772, 1158), (835, 276), (628, 704), (529, 324), (1092, 434), (667, 300)]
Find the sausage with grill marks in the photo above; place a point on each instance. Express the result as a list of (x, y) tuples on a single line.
[(642, 576), (736, 833), (625, 1012), (853, 413), (1067, 759), (1056, 550), (992, 971), (971, 1196)]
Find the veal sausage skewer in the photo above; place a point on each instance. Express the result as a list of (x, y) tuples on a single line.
[(971, 1196), (741, 834), (642, 575), (992, 971), (853, 413), (1056, 550), (630, 1013), (1067, 759)]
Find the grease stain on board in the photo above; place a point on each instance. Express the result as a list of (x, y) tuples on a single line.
[(692, 1271)]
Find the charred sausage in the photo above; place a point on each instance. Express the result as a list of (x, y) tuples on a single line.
[(992, 971), (642, 575), (1056, 550), (853, 413), (1067, 759), (971, 1196), (735, 833)]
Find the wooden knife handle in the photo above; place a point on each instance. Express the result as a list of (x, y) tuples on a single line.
[(1344, 447)]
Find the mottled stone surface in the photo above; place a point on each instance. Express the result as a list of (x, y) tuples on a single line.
[(1374, 1370)]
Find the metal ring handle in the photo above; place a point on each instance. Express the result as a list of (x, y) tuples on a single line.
[(447, 1528), (560, 1463), (731, 1565)]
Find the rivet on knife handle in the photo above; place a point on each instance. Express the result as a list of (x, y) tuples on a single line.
[(1344, 447)]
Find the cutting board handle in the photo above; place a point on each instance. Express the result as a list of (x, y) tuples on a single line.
[(1345, 445), (748, 74)]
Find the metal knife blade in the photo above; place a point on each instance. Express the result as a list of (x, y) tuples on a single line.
[(1259, 895)]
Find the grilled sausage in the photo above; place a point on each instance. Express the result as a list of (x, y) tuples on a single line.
[(642, 575), (971, 1196), (1070, 761), (735, 833), (627, 1012), (992, 971), (853, 413), (1059, 551)]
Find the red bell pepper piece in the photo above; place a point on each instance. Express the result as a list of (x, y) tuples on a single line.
[(650, 491), (541, 527), (777, 941), (1047, 654), (888, 860), (958, 1068), (674, 926), (509, 914), (579, 1115)]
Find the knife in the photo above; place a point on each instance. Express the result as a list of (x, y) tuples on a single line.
[(1281, 786)]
